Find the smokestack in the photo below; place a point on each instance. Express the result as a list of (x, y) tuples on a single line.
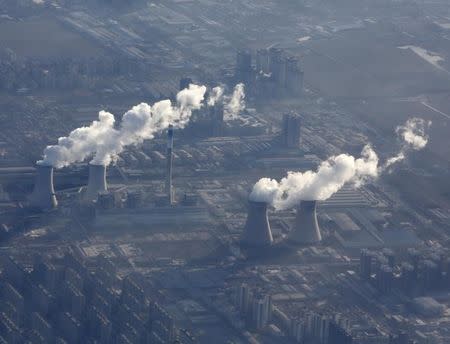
[(43, 196), (257, 231), (169, 188), (96, 182), (306, 229)]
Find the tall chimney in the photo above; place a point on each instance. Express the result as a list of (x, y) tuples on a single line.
[(43, 195), (168, 186), (96, 182), (257, 231), (306, 229)]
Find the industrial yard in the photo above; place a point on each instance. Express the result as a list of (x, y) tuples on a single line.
[(224, 172)]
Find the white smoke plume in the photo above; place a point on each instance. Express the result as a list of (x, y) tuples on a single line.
[(333, 173), (235, 103), (215, 95), (413, 132), (141, 122), (331, 176), (414, 136), (81, 142)]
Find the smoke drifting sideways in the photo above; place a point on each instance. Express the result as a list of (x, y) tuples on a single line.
[(331, 176), (80, 143), (234, 104), (104, 142), (333, 173), (414, 137)]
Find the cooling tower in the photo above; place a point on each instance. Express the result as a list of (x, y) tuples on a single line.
[(306, 229), (43, 196), (257, 231), (96, 182)]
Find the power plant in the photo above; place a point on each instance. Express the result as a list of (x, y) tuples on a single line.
[(257, 231), (306, 228), (43, 195), (96, 182), (168, 186)]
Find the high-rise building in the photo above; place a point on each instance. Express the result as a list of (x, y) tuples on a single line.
[(317, 327), (243, 66), (430, 274), (298, 330), (243, 298), (338, 335), (40, 325), (275, 54), (161, 324), (384, 279), (291, 130), (9, 330), (401, 338), (390, 256), (365, 264), (13, 272), (69, 327), (15, 299), (262, 61), (261, 311), (294, 77), (216, 114)]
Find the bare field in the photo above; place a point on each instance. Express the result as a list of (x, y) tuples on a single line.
[(45, 37), (363, 63)]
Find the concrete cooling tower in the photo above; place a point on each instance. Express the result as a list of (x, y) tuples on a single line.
[(257, 231), (43, 196), (306, 229), (96, 182)]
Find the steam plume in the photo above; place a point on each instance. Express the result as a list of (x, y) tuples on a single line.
[(414, 133), (81, 142), (236, 103), (141, 122), (215, 95), (333, 173), (331, 176), (414, 136)]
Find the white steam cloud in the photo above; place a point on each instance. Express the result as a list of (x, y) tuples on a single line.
[(335, 172), (331, 176), (80, 143), (414, 133), (141, 122), (215, 95), (414, 136), (236, 103)]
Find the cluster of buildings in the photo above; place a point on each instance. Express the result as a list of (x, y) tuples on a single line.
[(260, 314), (65, 301), (255, 308), (322, 329), (419, 273), (274, 74), (22, 75)]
